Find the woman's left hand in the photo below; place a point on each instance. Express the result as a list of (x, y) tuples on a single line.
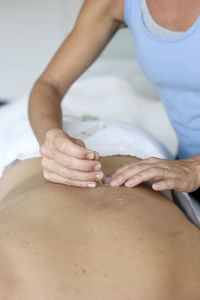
[(182, 175)]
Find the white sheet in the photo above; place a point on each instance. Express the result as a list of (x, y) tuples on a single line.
[(126, 96), (144, 108), (110, 99), (17, 140)]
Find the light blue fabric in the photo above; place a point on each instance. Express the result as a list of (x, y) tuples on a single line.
[(172, 64)]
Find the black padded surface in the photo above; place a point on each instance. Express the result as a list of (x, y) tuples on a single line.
[(196, 194)]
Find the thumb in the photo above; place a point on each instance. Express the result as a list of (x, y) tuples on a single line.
[(82, 144), (79, 143)]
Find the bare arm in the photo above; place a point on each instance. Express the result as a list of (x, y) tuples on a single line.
[(94, 28), (65, 159)]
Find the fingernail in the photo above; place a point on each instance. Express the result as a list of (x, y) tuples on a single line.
[(130, 182), (97, 167), (90, 155), (156, 186), (92, 184), (114, 183), (100, 176)]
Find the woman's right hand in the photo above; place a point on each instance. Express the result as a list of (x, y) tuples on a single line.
[(65, 160)]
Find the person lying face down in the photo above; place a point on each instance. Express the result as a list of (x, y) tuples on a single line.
[(111, 243)]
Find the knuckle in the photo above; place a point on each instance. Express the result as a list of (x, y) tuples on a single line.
[(138, 177), (68, 181), (121, 177), (67, 174)]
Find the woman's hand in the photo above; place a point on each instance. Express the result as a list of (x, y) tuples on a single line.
[(65, 160), (181, 175)]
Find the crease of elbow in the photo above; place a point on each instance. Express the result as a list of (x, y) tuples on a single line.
[(52, 85)]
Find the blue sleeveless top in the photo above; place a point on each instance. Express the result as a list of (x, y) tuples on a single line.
[(172, 64)]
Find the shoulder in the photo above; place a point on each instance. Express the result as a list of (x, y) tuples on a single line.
[(112, 8)]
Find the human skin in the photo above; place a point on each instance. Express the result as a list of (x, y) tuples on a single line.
[(110, 243), (96, 24)]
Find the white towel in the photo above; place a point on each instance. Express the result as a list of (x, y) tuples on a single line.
[(17, 141), (119, 137), (116, 99)]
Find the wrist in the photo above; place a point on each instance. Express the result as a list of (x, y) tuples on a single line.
[(41, 132)]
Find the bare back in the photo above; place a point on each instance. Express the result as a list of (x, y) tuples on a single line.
[(61, 242)]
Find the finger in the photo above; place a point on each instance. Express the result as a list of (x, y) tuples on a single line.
[(112, 175), (76, 163), (152, 173), (54, 167), (71, 162), (168, 184), (79, 142), (66, 146), (82, 143), (58, 179), (139, 165), (130, 172)]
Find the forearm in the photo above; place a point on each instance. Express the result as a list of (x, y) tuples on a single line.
[(44, 109)]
